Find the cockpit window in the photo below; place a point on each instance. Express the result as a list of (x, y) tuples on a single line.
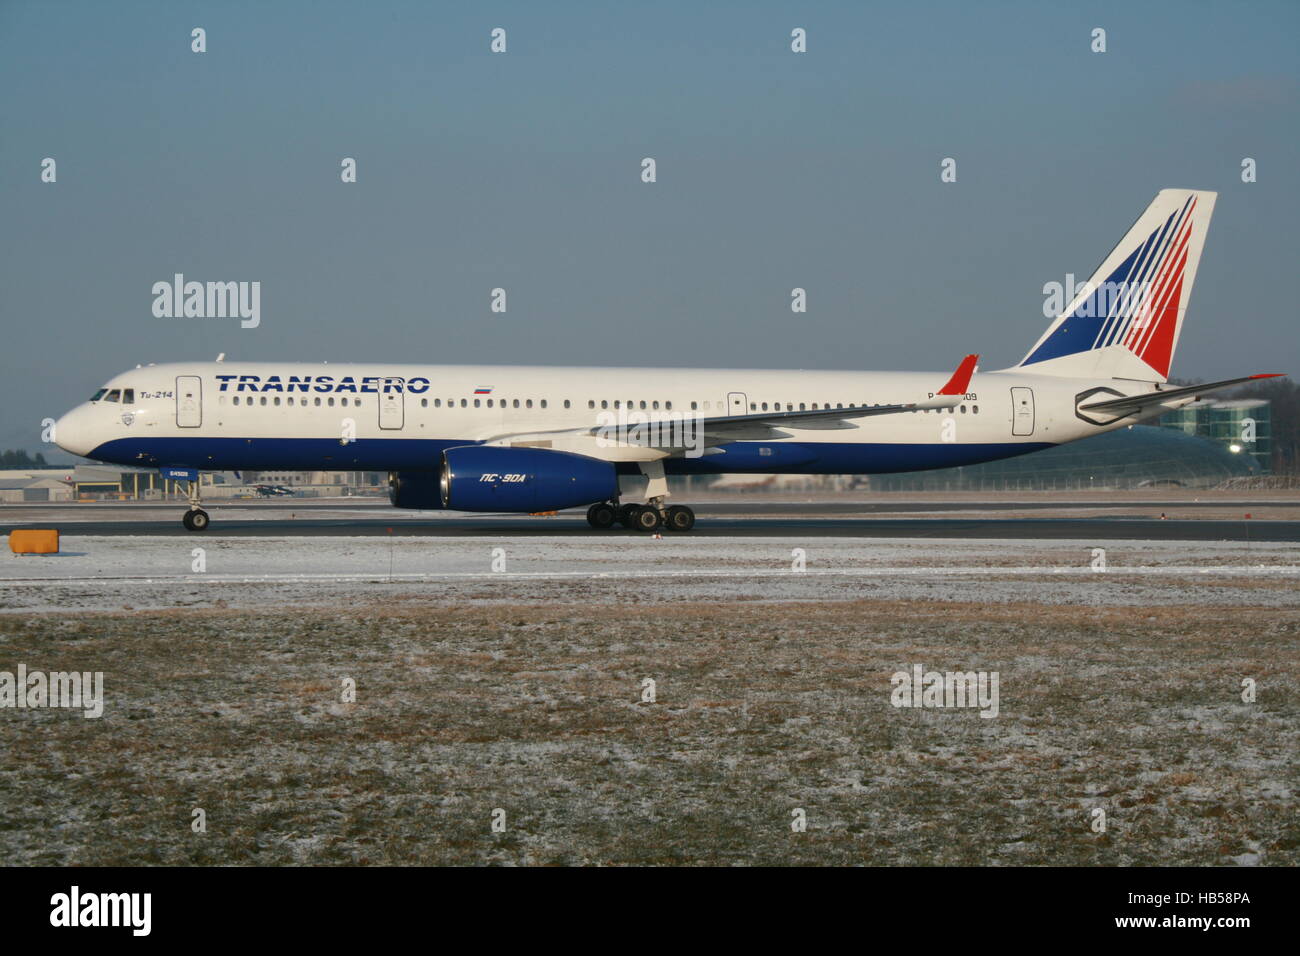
[(128, 396), (98, 395), (114, 396)]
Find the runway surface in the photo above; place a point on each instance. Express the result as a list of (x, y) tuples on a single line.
[(988, 518)]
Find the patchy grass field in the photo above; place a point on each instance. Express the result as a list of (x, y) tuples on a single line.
[(761, 708)]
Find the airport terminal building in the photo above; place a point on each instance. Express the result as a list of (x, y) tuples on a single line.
[(1143, 456)]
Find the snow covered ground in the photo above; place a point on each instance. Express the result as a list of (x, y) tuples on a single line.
[(228, 663), (124, 572)]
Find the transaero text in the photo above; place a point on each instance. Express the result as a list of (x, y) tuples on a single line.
[(322, 383)]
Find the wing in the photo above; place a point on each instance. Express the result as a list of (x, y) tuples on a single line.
[(767, 424), (663, 438)]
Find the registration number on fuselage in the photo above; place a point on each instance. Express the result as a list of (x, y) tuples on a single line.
[(508, 479)]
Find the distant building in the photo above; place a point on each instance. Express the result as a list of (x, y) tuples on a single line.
[(1243, 426), (26, 489), (326, 482), (1142, 456)]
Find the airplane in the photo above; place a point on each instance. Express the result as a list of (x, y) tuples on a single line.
[(527, 439), (273, 491)]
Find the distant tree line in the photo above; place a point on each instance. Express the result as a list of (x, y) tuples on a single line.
[(16, 459)]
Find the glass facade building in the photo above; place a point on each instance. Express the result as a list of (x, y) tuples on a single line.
[(1243, 426), (1143, 456)]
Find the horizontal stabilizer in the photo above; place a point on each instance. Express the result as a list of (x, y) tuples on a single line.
[(1157, 400)]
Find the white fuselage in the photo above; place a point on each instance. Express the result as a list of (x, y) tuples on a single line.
[(279, 415)]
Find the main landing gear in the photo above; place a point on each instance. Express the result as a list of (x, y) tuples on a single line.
[(196, 519), (648, 517), (652, 515)]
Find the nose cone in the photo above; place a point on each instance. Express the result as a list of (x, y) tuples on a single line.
[(73, 431)]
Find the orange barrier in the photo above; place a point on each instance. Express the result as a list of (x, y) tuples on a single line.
[(29, 541)]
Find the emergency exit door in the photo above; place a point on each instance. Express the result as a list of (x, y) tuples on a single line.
[(736, 404), (1022, 411), (392, 411), (189, 401)]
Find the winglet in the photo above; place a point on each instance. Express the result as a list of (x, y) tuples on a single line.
[(960, 380)]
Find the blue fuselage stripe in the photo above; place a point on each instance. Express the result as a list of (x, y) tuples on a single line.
[(424, 454)]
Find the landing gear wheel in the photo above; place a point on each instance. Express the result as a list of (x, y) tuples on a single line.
[(679, 518), (196, 520), (625, 515), (645, 519), (601, 515)]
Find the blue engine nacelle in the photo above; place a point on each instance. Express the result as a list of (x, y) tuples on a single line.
[(415, 489), (493, 478)]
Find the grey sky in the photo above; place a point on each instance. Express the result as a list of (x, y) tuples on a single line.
[(521, 170)]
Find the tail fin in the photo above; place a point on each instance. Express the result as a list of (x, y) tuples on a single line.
[(1124, 323)]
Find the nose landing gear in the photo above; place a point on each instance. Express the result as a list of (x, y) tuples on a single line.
[(196, 519)]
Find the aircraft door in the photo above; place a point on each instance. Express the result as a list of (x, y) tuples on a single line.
[(1022, 411), (189, 401), (736, 404), (392, 409)]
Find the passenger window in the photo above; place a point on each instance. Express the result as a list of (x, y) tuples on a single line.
[(528, 403), (464, 403), (330, 401), (476, 403), (516, 403), (643, 404), (975, 409), (277, 399), (543, 403), (695, 406), (604, 403), (668, 405), (236, 399), (317, 402), (566, 403)]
